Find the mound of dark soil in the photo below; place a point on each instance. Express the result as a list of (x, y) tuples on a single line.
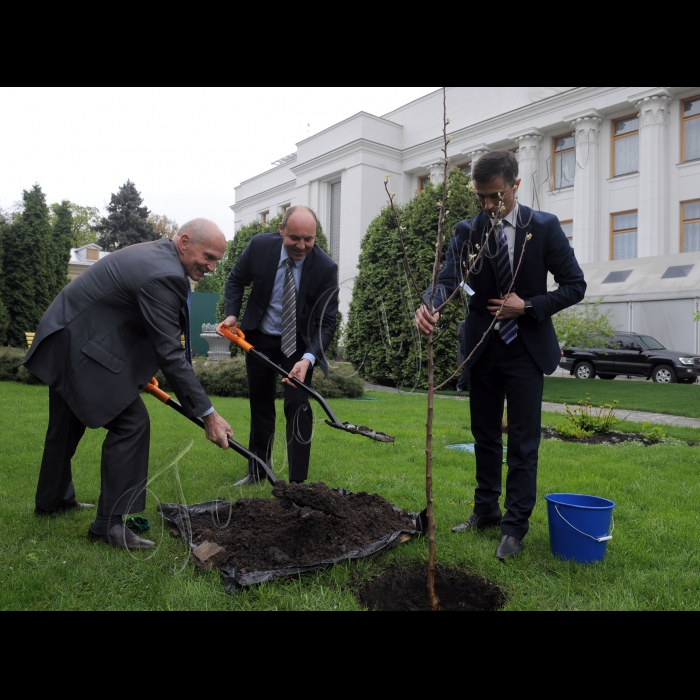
[(597, 438), (406, 589), (302, 525)]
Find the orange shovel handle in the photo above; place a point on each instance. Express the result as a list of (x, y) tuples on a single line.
[(153, 390), (238, 338)]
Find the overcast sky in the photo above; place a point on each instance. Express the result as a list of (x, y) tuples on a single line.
[(184, 148)]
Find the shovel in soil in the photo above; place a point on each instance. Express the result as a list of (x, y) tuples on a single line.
[(159, 394), (238, 338)]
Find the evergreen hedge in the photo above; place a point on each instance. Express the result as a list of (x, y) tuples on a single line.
[(381, 340)]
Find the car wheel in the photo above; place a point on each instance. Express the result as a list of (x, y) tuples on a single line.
[(585, 371), (665, 375), (608, 377)]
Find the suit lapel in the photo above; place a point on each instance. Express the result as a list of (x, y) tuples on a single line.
[(524, 217), (271, 271)]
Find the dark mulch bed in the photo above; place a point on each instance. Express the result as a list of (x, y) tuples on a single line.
[(597, 438), (302, 525), (406, 589)]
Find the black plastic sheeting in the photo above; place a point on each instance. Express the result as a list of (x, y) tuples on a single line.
[(234, 581)]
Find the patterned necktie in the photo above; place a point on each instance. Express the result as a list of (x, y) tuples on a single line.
[(509, 329), (289, 312), (187, 329)]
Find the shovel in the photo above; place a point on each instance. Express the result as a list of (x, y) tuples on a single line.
[(238, 338), (159, 394)]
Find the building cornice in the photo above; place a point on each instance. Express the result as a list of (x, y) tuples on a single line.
[(347, 121), (261, 197), (348, 149)]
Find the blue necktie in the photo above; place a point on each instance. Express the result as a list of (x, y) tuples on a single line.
[(187, 329), (509, 329)]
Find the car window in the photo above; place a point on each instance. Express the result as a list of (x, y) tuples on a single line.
[(650, 343), (629, 343)]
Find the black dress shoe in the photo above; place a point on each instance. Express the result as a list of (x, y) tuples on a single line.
[(122, 538), (479, 523), (510, 548), (76, 506), (250, 480)]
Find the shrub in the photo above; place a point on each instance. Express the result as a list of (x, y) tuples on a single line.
[(568, 430), (590, 420), (10, 362)]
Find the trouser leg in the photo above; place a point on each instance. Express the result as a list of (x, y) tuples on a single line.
[(300, 424), (55, 490), (125, 454), (487, 396), (524, 383), (262, 390)]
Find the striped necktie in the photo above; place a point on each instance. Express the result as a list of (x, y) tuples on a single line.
[(289, 312), (187, 329), (509, 329)]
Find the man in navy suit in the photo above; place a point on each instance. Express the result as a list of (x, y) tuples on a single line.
[(511, 287), (291, 318)]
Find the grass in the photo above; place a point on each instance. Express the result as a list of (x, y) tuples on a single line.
[(653, 563), (672, 399)]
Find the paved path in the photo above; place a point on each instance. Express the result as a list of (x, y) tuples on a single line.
[(634, 416)]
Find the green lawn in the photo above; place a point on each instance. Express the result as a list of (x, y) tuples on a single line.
[(653, 563), (672, 399)]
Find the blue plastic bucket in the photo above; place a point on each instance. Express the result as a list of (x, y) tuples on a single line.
[(580, 527)]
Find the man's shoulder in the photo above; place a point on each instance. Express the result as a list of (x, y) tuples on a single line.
[(265, 240), (537, 218), (323, 260)]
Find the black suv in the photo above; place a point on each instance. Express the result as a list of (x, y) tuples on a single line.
[(629, 354)]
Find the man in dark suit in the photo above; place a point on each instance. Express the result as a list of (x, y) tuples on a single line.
[(291, 318), (98, 345), (513, 359)]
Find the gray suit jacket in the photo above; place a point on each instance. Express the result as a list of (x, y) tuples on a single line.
[(109, 331)]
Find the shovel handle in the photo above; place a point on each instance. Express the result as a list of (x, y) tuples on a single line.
[(153, 389), (238, 338)]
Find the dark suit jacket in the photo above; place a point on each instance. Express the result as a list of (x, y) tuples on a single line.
[(548, 251), (317, 304), (108, 332)]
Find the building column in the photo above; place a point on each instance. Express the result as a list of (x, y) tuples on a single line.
[(477, 153), (587, 238), (530, 145), (654, 120), (437, 173)]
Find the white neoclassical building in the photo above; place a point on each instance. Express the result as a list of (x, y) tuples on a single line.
[(619, 166)]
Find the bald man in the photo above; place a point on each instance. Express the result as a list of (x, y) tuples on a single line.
[(291, 318), (98, 345)]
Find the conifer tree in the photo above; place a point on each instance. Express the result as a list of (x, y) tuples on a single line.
[(29, 267), (4, 315), (62, 243), (127, 223)]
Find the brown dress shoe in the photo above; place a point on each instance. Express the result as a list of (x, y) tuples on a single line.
[(122, 538)]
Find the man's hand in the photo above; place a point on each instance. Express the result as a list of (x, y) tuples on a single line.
[(218, 430), (425, 322), (231, 324), (513, 308), (299, 372)]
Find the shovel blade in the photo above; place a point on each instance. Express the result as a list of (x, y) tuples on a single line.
[(363, 431)]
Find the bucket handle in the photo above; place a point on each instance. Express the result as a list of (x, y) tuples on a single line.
[(600, 540)]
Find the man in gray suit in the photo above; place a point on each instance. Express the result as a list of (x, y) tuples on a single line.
[(98, 345)]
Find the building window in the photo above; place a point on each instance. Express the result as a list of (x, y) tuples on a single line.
[(568, 228), (625, 146), (564, 159), (690, 227), (691, 129), (466, 169), (624, 235), (92, 254), (264, 218), (336, 196), (285, 208), (423, 182)]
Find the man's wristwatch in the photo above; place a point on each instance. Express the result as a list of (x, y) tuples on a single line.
[(529, 311)]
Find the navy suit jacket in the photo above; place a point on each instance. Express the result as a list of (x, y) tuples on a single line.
[(548, 251), (317, 301), (107, 333)]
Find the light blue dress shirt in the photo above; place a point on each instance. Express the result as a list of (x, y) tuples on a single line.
[(272, 321)]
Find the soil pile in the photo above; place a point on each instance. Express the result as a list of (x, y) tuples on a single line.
[(400, 590), (303, 525)]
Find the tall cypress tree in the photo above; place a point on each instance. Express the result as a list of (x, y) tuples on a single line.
[(29, 268), (127, 222), (4, 315), (62, 239)]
